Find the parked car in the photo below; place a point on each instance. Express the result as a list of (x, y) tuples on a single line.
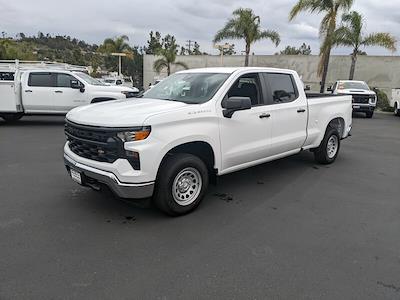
[(199, 124), (51, 90), (364, 99), (119, 80), (395, 101)]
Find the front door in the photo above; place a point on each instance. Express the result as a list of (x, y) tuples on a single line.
[(245, 136), (65, 97)]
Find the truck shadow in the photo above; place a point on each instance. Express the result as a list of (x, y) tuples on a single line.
[(236, 192), (35, 121)]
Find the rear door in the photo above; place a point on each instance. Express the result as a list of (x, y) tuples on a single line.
[(38, 92), (65, 97), (288, 112)]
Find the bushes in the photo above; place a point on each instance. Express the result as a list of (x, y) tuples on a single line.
[(382, 101)]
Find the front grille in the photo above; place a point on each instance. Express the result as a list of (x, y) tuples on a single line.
[(363, 99), (94, 143)]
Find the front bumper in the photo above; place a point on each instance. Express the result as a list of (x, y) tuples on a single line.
[(363, 107), (92, 177)]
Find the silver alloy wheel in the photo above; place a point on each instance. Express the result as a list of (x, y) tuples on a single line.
[(332, 146), (187, 186), (396, 110)]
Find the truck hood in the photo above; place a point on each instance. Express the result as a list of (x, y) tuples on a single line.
[(355, 92), (113, 88), (122, 113)]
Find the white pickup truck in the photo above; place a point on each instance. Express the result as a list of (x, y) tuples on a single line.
[(364, 99), (51, 91), (196, 125)]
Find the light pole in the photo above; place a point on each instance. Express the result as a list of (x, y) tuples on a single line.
[(221, 50), (120, 55)]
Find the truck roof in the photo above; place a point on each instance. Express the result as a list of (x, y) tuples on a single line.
[(230, 70)]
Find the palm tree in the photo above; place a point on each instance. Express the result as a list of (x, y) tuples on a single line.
[(118, 44), (168, 54), (331, 9), (350, 34), (246, 25)]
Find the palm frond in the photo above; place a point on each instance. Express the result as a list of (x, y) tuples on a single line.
[(160, 64), (181, 64), (270, 34), (382, 39)]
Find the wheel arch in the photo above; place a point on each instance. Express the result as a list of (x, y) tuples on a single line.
[(201, 149)]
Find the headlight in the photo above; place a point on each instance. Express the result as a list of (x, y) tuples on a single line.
[(128, 94), (372, 100), (134, 135)]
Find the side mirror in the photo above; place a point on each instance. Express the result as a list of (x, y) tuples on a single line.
[(77, 85), (330, 89), (233, 104), (307, 88)]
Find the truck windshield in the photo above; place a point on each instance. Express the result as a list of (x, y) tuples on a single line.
[(191, 88), (348, 85), (88, 78)]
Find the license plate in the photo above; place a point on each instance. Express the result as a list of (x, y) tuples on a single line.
[(356, 106), (76, 176)]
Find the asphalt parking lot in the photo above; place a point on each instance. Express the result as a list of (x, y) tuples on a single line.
[(289, 229)]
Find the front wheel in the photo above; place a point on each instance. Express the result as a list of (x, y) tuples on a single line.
[(396, 110), (369, 114), (328, 150), (181, 184)]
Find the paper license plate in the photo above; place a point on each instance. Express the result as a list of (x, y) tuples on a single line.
[(76, 176)]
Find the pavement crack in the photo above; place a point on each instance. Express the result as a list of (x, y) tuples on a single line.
[(389, 286)]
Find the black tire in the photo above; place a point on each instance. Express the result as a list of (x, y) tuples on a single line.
[(396, 110), (321, 154), (369, 114), (11, 117), (170, 170)]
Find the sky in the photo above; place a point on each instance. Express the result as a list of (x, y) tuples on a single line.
[(198, 20)]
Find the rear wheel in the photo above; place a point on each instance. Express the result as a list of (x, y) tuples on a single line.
[(328, 150), (369, 114), (181, 184), (11, 117)]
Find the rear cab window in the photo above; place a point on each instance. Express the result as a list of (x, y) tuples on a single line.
[(41, 79), (281, 88)]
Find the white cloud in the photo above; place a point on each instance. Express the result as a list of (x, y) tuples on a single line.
[(94, 21)]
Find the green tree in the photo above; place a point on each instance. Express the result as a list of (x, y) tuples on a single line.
[(331, 9), (168, 53), (350, 34), (246, 25), (154, 43), (115, 45), (304, 49)]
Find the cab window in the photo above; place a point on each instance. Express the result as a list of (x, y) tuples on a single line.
[(248, 86), (64, 80)]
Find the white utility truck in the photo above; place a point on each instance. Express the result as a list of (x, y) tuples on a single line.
[(28, 88), (364, 99), (196, 125), (395, 101)]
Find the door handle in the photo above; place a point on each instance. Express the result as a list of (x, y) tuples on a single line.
[(58, 92), (28, 91), (263, 116), (301, 110)]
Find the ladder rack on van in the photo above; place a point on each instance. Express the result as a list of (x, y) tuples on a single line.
[(14, 65)]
